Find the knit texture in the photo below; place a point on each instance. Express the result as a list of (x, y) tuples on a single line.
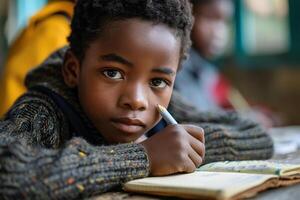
[(228, 136), (40, 159)]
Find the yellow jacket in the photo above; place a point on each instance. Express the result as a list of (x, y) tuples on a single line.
[(46, 31)]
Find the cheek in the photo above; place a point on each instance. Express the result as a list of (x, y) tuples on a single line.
[(164, 98), (155, 98), (95, 98)]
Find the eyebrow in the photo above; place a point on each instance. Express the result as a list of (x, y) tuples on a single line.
[(116, 58), (164, 70)]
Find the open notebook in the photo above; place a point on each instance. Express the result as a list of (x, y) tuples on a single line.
[(220, 180)]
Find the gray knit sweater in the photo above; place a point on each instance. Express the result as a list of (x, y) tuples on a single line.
[(40, 158)]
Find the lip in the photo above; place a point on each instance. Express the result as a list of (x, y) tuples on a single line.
[(128, 125)]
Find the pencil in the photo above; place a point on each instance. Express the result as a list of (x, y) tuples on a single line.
[(166, 115)]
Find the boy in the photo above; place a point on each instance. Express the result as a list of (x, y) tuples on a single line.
[(74, 133), (105, 93)]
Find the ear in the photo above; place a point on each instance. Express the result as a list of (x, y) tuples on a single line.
[(71, 69)]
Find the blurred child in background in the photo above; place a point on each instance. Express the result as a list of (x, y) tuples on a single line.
[(199, 81)]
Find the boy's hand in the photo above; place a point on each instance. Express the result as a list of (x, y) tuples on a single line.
[(177, 148)]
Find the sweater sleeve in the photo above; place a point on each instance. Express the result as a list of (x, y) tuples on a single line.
[(228, 136), (73, 170)]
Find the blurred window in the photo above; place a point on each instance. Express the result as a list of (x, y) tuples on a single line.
[(18, 14), (265, 26)]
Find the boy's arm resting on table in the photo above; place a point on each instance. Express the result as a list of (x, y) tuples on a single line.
[(28, 169), (228, 136), (75, 170)]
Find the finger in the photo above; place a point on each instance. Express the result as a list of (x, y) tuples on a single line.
[(188, 165), (195, 157), (196, 131), (198, 146)]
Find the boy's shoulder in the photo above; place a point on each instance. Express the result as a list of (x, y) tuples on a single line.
[(37, 119), (49, 74)]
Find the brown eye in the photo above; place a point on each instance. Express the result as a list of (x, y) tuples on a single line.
[(113, 74), (158, 83)]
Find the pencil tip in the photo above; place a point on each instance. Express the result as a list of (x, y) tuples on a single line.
[(160, 108)]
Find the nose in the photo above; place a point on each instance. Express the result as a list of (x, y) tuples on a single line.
[(134, 97)]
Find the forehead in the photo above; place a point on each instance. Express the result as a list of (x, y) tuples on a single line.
[(134, 27), (139, 37), (219, 8)]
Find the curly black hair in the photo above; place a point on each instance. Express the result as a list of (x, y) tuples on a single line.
[(91, 16)]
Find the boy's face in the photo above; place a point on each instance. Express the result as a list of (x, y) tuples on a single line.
[(210, 31), (125, 73)]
